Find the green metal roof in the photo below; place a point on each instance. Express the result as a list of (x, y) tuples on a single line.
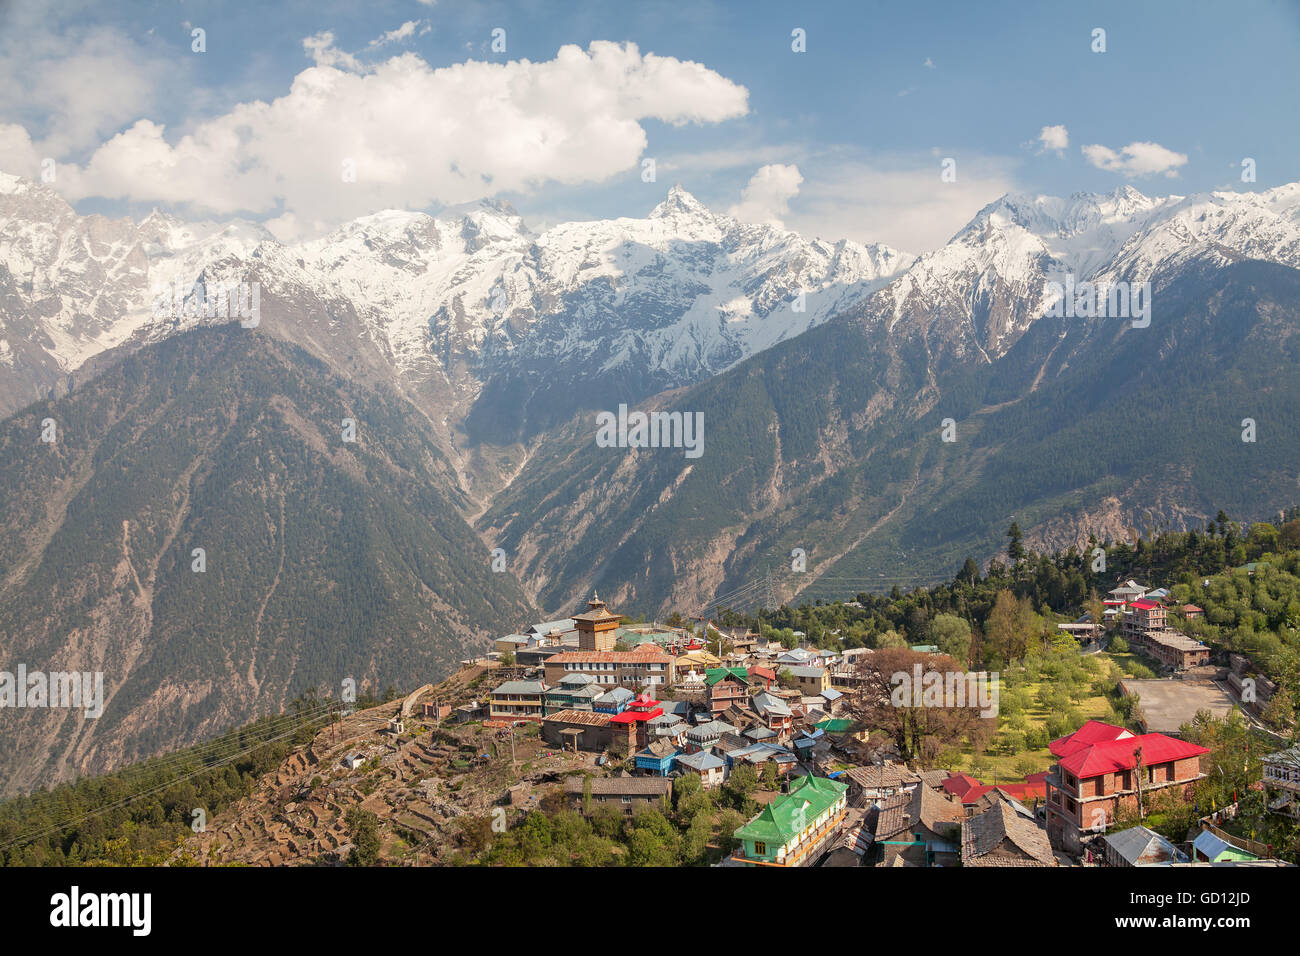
[(715, 674), (635, 638), (787, 815), (835, 725)]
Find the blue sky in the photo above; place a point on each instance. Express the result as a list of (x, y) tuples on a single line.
[(854, 128)]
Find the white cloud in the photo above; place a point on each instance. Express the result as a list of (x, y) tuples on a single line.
[(733, 157), (1136, 159), (320, 47), (72, 85), (766, 198), (17, 154), (404, 32), (415, 134), (1054, 137), (896, 200)]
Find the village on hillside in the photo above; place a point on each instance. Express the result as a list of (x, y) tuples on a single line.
[(595, 716)]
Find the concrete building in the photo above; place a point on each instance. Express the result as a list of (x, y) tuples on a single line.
[(1102, 768), (1282, 782), (518, 700), (811, 681)]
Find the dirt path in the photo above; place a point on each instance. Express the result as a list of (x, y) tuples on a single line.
[(489, 499), (257, 622)]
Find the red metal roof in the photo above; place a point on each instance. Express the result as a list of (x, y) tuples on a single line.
[(1111, 755), (1145, 605), (969, 790), (633, 716), (1092, 732), (1021, 791), (960, 784)]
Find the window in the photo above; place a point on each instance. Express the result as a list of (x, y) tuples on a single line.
[(627, 799), (760, 848)]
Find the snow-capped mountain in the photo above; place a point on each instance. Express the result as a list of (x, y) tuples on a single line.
[(982, 290), (500, 332), (676, 296), (72, 287)]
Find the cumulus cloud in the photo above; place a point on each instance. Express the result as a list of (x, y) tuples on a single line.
[(70, 87), (1054, 138), (1136, 159), (413, 135), (17, 154), (766, 198)]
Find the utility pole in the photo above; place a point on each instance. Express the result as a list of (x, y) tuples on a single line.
[(1138, 771), (769, 594)]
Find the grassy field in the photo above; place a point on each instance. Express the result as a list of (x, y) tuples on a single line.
[(995, 766)]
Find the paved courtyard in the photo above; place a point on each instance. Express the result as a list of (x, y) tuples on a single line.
[(1168, 704)]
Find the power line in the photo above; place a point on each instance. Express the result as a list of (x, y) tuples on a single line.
[(300, 720), (761, 591), (230, 758), (216, 747)]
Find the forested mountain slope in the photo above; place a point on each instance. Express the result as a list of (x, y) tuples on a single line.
[(833, 443), (323, 559)]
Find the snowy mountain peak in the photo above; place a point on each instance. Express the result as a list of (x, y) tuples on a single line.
[(1054, 216), (469, 296), (988, 284), (11, 185), (679, 203)]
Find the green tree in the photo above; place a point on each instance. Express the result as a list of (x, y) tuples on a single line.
[(1005, 631), (363, 829), (1015, 546), (952, 636)]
